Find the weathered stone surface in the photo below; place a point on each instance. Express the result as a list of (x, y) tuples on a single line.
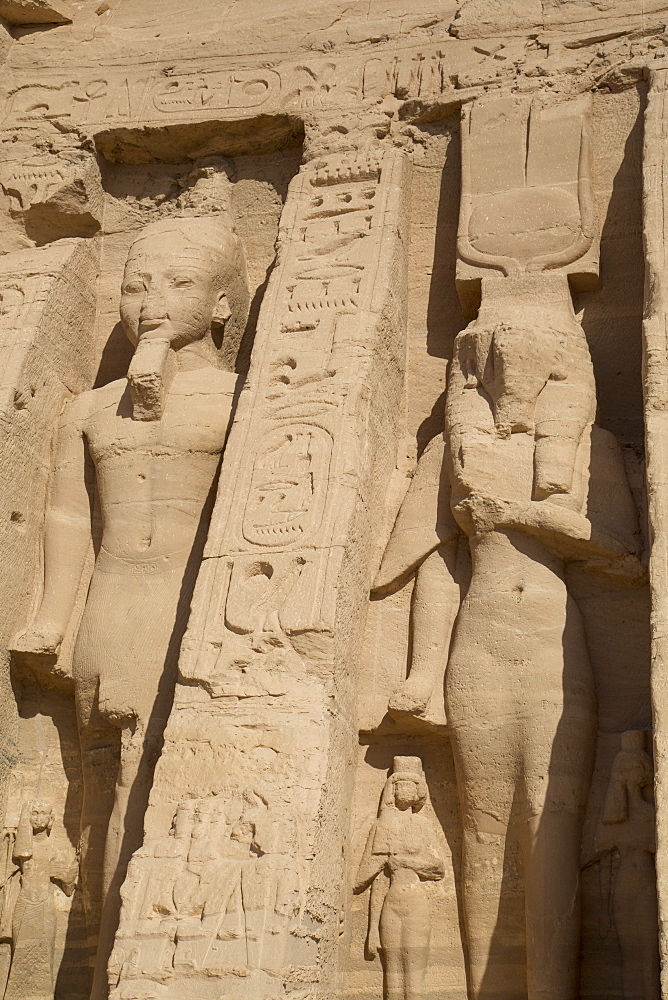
[(36, 11), (333, 509), (655, 354)]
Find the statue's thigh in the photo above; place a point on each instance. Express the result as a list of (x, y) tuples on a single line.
[(129, 641), (488, 766)]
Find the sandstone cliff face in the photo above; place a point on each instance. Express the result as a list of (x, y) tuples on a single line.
[(334, 508)]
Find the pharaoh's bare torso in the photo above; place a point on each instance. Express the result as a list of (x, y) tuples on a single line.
[(152, 480), (153, 477)]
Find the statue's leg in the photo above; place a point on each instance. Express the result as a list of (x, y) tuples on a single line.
[(391, 952), (141, 744), (100, 755), (137, 623), (487, 768), (416, 933), (518, 689), (636, 920), (558, 750)]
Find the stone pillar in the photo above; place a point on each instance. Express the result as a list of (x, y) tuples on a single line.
[(655, 385), (259, 749)]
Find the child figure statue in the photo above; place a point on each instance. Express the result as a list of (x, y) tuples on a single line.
[(33, 920), (400, 855)]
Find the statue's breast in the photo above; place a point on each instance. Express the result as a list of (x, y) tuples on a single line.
[(195, 422)]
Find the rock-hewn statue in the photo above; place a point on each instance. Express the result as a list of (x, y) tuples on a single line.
[(400, 854), (519, 697), (31, 910), (525, 474), (148, 449), (626, 842)]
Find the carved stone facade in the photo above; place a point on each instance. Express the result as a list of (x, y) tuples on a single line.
[(335, 512)]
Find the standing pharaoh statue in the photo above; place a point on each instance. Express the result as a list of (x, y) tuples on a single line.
[(400, 855), (147, 448)]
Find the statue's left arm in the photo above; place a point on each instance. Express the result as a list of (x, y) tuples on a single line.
[(371, 864), (67, 536), (424, 541)]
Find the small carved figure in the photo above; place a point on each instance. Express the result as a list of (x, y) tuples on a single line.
[(400, 855), (33, 919), (248, 890), (626, 840), (175, 844), (269, 880)]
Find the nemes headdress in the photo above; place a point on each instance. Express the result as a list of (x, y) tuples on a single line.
[(215, 235)]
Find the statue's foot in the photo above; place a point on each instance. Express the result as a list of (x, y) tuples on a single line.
[(39, 640), (412, 696), (372, 944)]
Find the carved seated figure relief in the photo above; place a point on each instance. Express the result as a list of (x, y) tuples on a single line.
[(219, 894), (147, 449), (626, 845)]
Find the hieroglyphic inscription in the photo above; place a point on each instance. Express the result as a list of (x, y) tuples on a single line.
[(34, 181), (289, 486), (165, 92), (291, 497)]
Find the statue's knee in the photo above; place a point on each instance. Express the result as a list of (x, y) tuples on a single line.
[(486, 827)]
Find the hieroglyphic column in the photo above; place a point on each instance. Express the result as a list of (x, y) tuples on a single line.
[(259, 749), (655, 385)]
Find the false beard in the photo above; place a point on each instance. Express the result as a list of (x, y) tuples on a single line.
[(149, 376)]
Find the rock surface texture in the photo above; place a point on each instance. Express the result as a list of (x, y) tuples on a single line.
[(334, 508)]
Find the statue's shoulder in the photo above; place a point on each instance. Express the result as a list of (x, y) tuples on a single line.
[(86, 404), (207, 381)]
